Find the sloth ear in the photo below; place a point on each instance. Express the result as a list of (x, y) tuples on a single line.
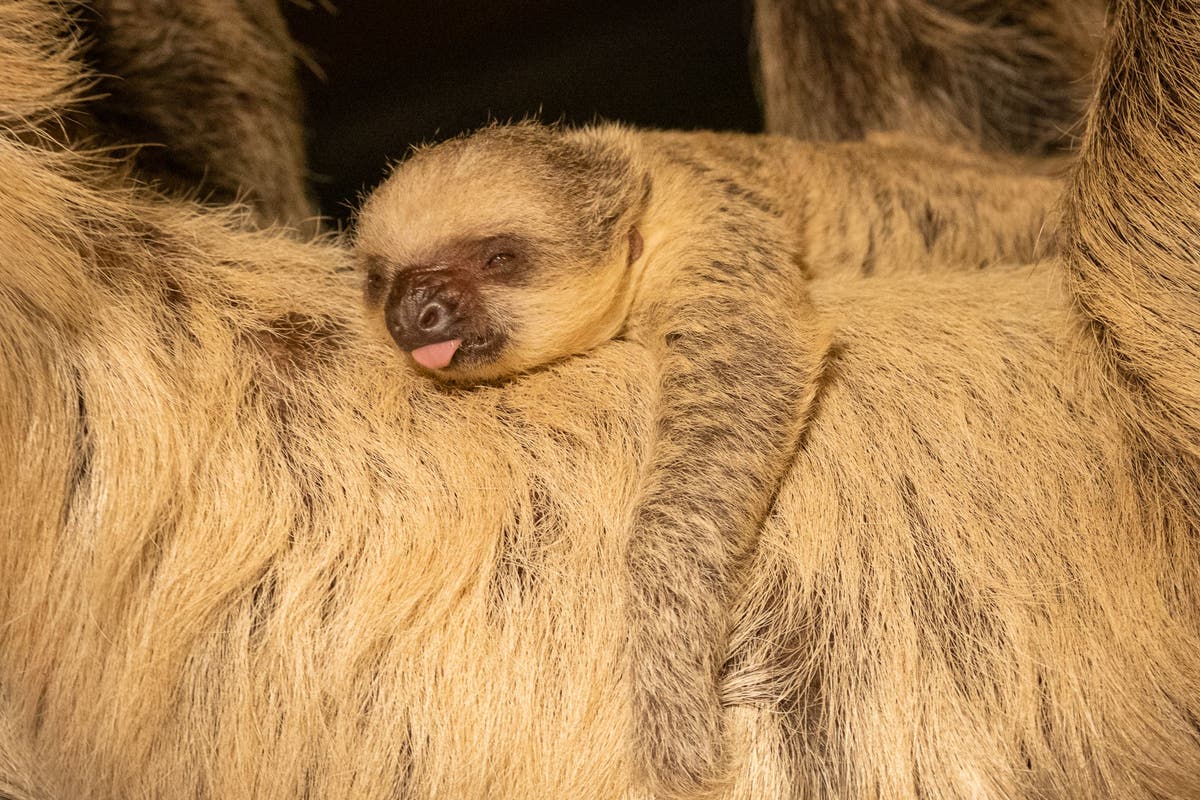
[(614, 186), (635, 245)]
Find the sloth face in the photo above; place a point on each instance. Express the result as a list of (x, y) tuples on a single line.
[(481, 308), (500, 252), (437, 311)]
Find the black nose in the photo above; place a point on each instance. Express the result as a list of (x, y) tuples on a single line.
[(420, 313)]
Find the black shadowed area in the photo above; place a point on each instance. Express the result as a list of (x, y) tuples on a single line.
[(403, 73)]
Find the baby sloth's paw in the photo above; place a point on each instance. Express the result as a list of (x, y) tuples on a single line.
[(679, 741)]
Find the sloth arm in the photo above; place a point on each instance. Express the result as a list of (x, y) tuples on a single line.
[(740, 352), (906, 208), (893, 205)]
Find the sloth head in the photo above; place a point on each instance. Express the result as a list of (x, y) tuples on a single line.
[(496, 253)]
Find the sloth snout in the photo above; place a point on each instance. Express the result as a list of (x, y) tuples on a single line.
[(422, 315)]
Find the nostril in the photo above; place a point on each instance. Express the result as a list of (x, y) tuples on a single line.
[(417, 315), (431, 317)]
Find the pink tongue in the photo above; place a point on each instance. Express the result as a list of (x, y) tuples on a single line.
[(436, 356)]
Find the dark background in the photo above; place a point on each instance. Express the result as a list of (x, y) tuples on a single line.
[(403, 72)]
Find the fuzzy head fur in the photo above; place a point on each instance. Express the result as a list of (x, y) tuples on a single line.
[(532, 227)]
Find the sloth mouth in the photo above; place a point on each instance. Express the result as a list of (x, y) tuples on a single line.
[(468, 351), (481, 348), (436, 356), (468, 360)]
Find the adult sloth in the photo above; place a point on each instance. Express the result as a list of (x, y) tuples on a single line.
[(245, 555)]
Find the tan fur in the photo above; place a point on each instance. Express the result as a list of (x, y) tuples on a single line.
[(899, 204), (1001, 74), (621, 235), (725, 228), (204, 96), (245, 556)]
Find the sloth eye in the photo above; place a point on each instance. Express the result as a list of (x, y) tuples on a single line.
[(500, 260), (375, 281)]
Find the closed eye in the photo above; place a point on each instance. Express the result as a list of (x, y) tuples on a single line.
[(375, 282), (500, 260)]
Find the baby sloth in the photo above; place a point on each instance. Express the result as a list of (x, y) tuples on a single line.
[(523, 244)]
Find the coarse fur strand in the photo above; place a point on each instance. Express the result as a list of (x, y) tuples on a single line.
[(245, 556)]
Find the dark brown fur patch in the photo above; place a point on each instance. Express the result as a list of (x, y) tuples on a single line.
[(292, 344), (84, 448)]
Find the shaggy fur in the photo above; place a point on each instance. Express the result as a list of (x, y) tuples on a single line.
[(1134, 240), (529, 244), (206, 94), (245, 554), (1006, 74), (714, 295)]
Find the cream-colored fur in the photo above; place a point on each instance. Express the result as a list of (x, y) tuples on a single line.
[(245, 555)]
